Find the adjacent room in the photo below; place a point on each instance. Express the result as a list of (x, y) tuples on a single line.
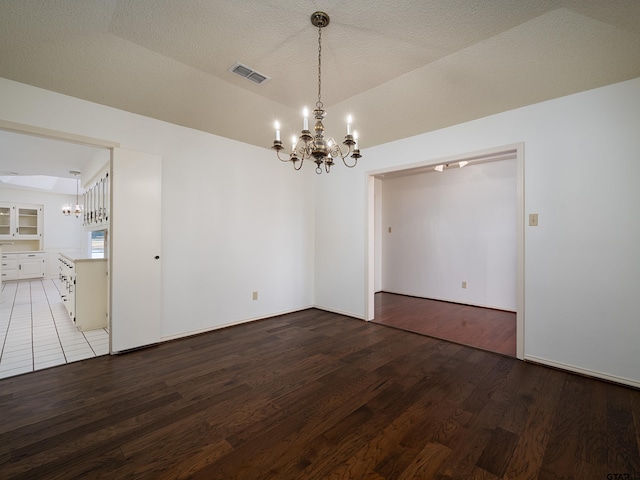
[(447, 257), (261, 182), (50, 249)]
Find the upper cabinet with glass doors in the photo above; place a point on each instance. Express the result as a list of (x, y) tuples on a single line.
[(96, 203), (6, 222), (20, 222)]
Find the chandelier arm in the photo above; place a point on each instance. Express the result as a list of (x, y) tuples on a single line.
[(301, 160), (336, 150), (282, 159), (344, 160)]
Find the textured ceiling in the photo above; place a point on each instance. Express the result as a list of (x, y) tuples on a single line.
[(400, 68)]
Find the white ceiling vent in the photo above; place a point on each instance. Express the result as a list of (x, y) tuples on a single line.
[(251, 74)]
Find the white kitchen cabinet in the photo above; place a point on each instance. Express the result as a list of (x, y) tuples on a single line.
[(84, 291), (9, 266), (6, 221), (96, 203), (31, 265), (23, 265), (22, 223), (28, 222)]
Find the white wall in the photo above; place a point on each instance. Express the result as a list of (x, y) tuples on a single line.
[(582, 263), (234, 219), (449, 227)]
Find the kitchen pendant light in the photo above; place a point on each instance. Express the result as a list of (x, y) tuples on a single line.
[(77, 211)]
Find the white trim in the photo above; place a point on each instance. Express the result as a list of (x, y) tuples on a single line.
[(481, 156), (582, 371), (339, 312), (56, 135), (370, 261), (520, 249), (448, 300), (231, 324)]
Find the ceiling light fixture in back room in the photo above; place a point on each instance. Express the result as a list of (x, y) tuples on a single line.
[(322, 151), (66, 209)]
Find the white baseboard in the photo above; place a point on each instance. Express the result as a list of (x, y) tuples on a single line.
[(583, 371), (230, 324), (456, 301), (339, 312)]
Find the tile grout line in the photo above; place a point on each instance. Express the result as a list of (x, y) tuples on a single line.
[(6, 336), (90, 346), (33, 353), (53, 318)]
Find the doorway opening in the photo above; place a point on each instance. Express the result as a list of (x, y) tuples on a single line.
[(374, 229), (40, 157)]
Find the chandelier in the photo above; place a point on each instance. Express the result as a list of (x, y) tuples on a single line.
[(321, 150), (66, 209)]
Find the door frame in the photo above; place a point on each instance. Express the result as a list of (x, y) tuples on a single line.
[(513, 151)]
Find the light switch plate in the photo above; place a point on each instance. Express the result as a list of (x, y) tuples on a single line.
[(533, 219)]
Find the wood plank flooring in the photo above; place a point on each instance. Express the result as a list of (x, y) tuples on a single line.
[(315, 395), (485, 328)]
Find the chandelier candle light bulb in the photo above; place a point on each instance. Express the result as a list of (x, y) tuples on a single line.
[(277, 125), (315, 146)]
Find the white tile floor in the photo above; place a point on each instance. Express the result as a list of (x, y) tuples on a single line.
[(36, 331)]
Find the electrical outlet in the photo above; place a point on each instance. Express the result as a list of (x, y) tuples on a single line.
[(255, 295), (533, 219), (389, 229), (464, 284)]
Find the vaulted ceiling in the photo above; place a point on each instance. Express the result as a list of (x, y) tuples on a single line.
[(400, 67)]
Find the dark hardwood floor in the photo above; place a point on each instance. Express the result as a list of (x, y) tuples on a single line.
[(485, 328), (315, 395)]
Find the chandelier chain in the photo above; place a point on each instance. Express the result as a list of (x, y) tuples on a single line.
[(319, 102)]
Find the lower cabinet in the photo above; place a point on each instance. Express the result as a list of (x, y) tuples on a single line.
[(22, 266), (84, 291)]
